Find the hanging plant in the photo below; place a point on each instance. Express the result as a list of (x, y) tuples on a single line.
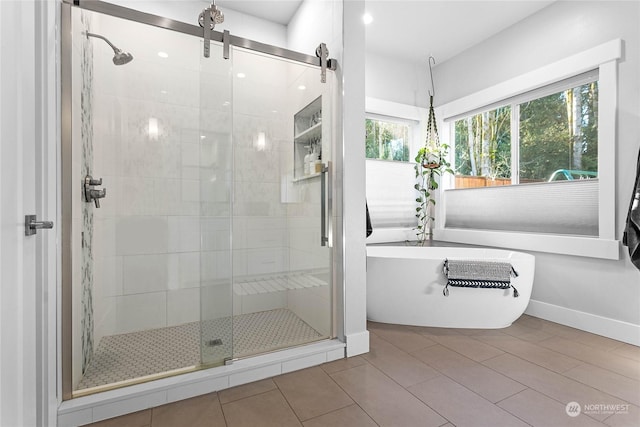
[(431, 163)]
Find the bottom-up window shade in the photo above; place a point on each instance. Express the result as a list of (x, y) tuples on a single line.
[(569, 207), (390, 194)]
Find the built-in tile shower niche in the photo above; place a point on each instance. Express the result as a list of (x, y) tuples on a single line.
[(205, 246)]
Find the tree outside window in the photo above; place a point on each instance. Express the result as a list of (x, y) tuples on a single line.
[(387, 140), (557, 140)]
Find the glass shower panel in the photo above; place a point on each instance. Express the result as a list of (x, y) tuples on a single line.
[(216, 183), (140, 253), (281, 273)]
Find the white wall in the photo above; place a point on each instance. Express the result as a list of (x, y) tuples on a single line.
[(609, 289), (27, 186), (604, 288), (325, 21), (397, 81)]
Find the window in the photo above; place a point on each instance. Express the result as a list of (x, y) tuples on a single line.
[(557, 138), (390, 179), (386, 140), (483, 149)]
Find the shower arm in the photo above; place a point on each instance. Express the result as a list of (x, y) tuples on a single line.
[(98, 36)]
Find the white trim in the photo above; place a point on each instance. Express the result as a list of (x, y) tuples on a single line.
[(394, 109), (109, 404), (605, 326), (607, 141), (352, 167), (549, 243), (565, 68), (357, 343), (603, 57), (50, 79)]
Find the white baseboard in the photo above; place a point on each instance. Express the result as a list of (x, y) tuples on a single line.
[(357, 343), (610, 328)]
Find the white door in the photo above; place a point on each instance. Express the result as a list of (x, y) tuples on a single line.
[(27, 186)]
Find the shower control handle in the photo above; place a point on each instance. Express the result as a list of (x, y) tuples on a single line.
[(91, 194), (96, 195)]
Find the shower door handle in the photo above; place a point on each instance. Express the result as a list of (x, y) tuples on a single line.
[(324, 238)]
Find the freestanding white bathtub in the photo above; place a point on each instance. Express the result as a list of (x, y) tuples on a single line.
[(405, 284)]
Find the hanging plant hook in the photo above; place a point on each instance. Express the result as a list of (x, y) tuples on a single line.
[(431, 163), (433, 88)]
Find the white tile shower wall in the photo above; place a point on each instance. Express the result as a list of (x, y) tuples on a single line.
[(164, 161), (263, 137)]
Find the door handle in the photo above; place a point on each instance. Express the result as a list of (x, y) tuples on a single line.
[(324, 239), (31, 225)]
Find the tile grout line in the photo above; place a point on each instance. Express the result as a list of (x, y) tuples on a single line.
[(426, 364), (433, 409), (581, 362), (596, 388), (285, 398), (355, 402), (586, 362), (568, 378), (247, 397), (224, 416), (447, 376)]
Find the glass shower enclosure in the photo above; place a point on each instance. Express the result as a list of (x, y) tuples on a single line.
[(195, 204)]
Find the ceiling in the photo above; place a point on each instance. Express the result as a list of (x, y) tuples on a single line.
[(411, 30)]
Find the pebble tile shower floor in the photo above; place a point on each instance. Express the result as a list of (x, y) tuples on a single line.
[(138, 354)]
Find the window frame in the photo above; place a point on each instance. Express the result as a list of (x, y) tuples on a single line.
[(604, 58)]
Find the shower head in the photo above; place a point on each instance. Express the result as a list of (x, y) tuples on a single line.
[(119, 57), (215, 16)]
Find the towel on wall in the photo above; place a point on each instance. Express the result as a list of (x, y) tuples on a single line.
[(631, 237), (369, 227), (478, 274)]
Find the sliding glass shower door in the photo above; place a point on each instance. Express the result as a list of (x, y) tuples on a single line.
[(215, 180), (151, 160), (198, 190), (282, 139)]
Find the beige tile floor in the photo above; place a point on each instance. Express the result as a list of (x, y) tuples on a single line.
[(522, 375)]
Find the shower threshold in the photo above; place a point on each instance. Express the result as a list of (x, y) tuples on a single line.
[(136, 357)]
